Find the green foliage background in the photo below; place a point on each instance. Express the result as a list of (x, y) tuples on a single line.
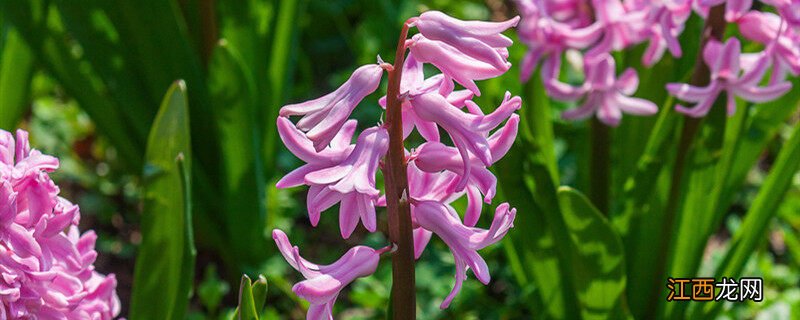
[(88, 79)]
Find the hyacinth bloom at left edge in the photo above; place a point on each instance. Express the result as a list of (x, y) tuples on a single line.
[(46, 265), (417, 195)]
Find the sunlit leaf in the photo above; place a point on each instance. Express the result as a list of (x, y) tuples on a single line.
[(16, 69), (165, 263), (599, 265)]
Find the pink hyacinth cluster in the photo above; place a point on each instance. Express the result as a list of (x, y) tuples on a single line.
[(590, 31), (46, 265), (439, 171), (742, 75)]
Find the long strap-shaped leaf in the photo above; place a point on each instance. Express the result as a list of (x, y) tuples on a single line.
[(545, 239), (233, 95), (16, 68), (165, 262), (51, 50), (764, 208)]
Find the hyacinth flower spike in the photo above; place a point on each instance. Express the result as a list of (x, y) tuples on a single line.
[(324, 117), (46, 265), (351, 182), (338, 172), (462, 240), (724, 62)]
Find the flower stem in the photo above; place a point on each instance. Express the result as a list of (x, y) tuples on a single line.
[(400, 229), (600, 169), (714, 29)]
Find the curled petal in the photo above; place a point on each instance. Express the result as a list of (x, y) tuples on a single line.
[(454, 63), (324, 117), (302, 147), (763, 94), (476, 39), (324, 282), (636, 106), (463, 241)]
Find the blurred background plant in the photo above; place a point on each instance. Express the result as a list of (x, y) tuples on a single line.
[(88, 78)]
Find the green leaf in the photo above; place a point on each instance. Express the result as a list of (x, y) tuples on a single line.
[(712, 189), (529, 172), (165, 263), (260, 292), (758, 130), (281, 69), (764, 208), (599, 264), (639, 221), (51, 48), (102, 47), (538, 247), (247, 304), (233, 95), (16, 70)]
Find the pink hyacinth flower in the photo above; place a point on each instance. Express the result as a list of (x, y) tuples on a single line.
[(324, 282), (548, 37), (324, 117), (724, 62), (432, 187), (464, 242), (303, 148), (788, 9), (666, 20), (351, 182), (479, 40), (428, 186), (46, 266), (769, 30), (435, 157), (603, 93), (452, 62), (414, 83), (621, 27), (468, 131)]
